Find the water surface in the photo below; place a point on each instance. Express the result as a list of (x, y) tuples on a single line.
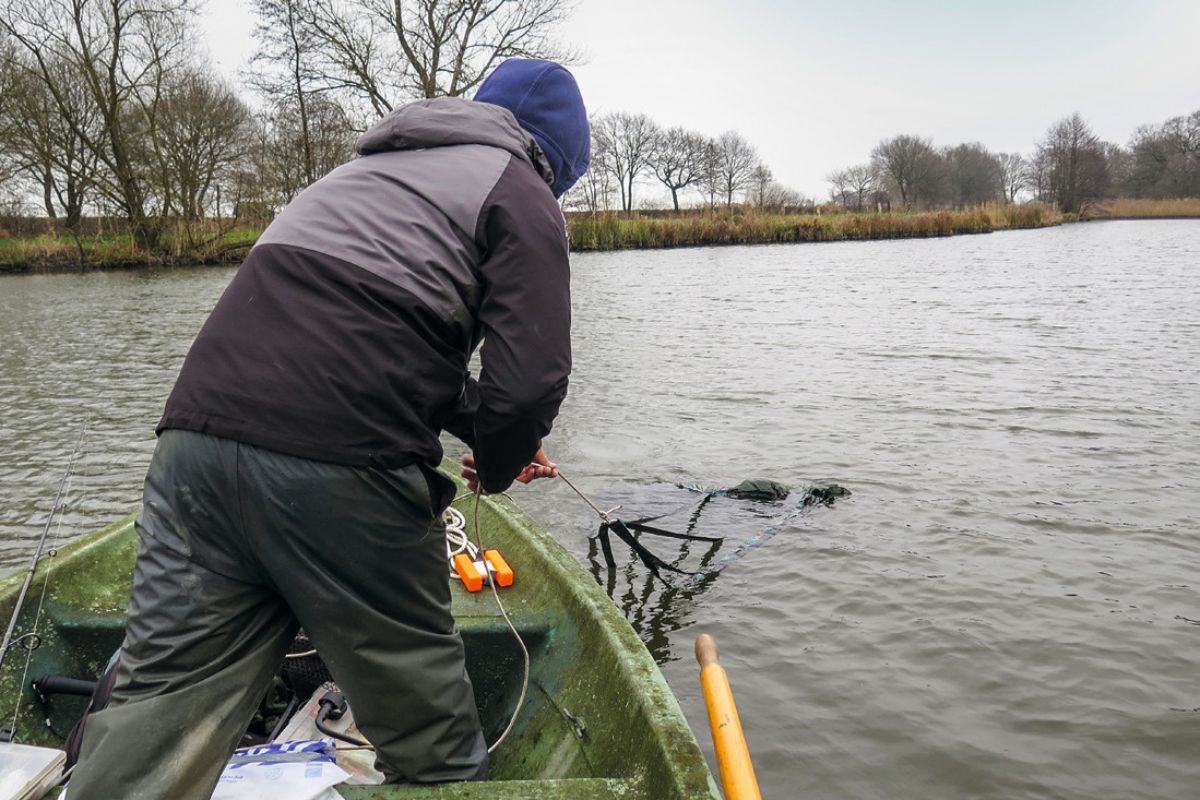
[(1006, 607)]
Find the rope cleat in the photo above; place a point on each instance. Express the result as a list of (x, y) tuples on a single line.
[(476, 574)]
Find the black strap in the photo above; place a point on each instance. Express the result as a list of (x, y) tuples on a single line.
[(638, 526), (606, 547), (652, 562)]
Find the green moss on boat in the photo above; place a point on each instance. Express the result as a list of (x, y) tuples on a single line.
[(599, 720)]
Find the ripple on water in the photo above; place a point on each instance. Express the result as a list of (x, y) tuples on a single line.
[(1006, 606)]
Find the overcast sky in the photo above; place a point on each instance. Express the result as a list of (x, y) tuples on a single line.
[(814, 85)]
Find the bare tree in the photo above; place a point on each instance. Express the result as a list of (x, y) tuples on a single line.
[(974, 175), (254, 177), (198, 141), (42, 141), (760, 183), (854, 186), (279, 135), (282, 67), (628, 140), (121, 51), (768, 193), (1077, 173), (594, 191), (8, 164), (839, 188), (451, 45), (678, 160), (911, 166), (783, 197), (859, 180), (386, 51), (1118, 164), (1037, 171), (1165, 159), (1182, 135), (1014, 175), (710, 174), (736, 160), (352, 52), (863, 179)]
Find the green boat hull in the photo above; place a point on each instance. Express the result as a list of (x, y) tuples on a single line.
[(598, 722)]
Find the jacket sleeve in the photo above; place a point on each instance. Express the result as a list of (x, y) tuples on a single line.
[(461, 420), (525, 316)]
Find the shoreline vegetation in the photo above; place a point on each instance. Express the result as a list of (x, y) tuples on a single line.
[(166, 162), (48, 253), (608, 231)]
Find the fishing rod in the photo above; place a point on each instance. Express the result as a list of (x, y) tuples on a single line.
[(37, 554)]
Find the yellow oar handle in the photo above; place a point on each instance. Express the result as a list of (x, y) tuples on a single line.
[(733, 757)]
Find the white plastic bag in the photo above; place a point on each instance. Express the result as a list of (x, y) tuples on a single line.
[(26, 771), (285, 771)]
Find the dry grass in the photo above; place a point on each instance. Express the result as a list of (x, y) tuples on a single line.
[(1129, 208), (621, 231), (47, 253), (616, 232)]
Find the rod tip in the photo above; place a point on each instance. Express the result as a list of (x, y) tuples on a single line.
[(706, 650)]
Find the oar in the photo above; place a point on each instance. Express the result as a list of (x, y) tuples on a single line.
[(733, 757)]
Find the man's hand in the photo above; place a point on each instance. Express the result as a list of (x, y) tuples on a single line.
[(471, 476), (541, 467)]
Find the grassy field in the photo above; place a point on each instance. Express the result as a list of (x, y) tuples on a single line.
[(616, 232)]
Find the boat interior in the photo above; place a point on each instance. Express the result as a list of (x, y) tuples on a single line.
[(597, 719)]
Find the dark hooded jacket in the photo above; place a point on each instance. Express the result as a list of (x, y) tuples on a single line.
[(345, 335)]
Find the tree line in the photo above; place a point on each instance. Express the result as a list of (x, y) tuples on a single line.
[(107, 109), (632, 147), (1070, 167)]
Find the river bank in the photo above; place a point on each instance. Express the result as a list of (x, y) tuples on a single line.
[(622, 231), (56, 254), (627, 232)]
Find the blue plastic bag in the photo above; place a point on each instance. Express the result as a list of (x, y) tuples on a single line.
[(287, 771)]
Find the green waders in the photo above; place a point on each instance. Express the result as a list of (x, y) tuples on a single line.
[(238, 546)]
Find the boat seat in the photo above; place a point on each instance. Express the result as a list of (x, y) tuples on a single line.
[(85, 631)]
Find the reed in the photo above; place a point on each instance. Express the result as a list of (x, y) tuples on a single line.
[(618, 232), (1132, 208), (606, 231), (49, 253)]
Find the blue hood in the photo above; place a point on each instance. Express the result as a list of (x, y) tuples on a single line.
[(545, 99)]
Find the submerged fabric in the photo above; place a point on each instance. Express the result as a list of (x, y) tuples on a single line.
[(238, 546), (758, 489), (346, 334)]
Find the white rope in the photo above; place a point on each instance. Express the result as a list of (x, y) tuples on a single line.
[(457, 540), (524, 650)]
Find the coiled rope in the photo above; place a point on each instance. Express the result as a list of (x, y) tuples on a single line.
[(457, 542)]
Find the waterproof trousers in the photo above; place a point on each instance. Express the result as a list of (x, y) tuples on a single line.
[(237, 547)]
